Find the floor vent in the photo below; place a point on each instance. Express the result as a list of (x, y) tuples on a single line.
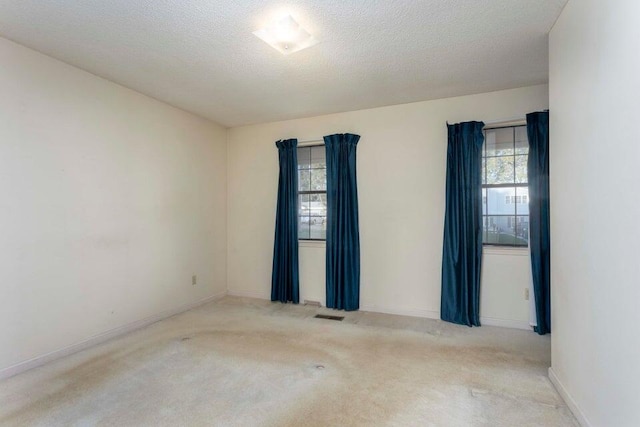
[(326, 316)]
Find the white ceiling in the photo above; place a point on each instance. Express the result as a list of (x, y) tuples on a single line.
[(201, 55)]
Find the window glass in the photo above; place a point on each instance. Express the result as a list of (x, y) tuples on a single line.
[(318, 179), (505, 190), (500, 170), (521, 140), (318, 156), (312, 193), (521, 169), (499, 142)]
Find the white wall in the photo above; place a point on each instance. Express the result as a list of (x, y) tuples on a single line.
[(595, 209), (109, 202), (401, 185)]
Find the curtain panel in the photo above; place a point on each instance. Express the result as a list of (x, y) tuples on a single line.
[(285, 275), (343, 239), (462, 247), (539, 231)]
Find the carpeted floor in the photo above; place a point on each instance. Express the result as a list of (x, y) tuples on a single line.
[(246, 362)]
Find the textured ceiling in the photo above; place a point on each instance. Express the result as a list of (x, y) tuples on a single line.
[(201, 55)]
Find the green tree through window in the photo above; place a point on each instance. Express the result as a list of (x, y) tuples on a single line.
[(312, 193), (505, 193)]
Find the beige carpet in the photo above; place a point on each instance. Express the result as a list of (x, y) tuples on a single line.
[(245, 362)]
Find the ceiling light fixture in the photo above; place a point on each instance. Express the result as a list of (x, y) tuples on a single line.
[(286, 36)]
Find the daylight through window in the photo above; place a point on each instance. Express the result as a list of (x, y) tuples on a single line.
[(312, 193), (505, 191)]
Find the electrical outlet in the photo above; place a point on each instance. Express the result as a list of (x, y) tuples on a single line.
[(526, 294), (194, 279)]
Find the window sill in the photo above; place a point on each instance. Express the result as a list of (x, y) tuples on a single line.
[(312, 243), (505, 250)]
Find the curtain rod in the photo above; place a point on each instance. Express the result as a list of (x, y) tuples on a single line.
[(505, 122), (511, 121), (303, 142), (517, 120)]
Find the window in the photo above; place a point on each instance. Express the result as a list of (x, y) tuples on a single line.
[(505, 191), (312, 193)]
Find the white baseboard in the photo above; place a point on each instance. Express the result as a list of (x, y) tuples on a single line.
[(506, 323), (432, 314), (429, 314), (243, 294), (562, 391), (101, 338), (365, 307)]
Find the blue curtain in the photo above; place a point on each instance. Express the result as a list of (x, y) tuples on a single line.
[(462, 247), (343, 240), (284, 276), (538, 171)]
